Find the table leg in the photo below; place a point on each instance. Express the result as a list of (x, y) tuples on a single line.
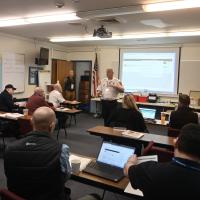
[(103, 195)]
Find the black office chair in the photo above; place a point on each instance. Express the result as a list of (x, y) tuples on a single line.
[(2, 136), (164, 155), (5, 194), (172, 132)]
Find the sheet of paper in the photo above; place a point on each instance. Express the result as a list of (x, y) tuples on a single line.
[(132, 134), (3, 115), (12, 115), (84, 161), (142, 159), (131, 190)]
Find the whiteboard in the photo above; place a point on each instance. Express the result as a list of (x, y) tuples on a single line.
[(189, 76), (44, 79), (13, 71)]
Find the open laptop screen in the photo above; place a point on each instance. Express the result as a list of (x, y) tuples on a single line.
[(114, 154), (148, 113)]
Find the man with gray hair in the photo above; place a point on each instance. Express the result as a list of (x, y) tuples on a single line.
[(108, 90), (36, 100), (37, 166), (56, 97)]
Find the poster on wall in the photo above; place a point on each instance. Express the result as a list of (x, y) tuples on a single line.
[(33, 76)]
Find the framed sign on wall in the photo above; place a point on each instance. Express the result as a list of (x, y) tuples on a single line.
[(33, 76)]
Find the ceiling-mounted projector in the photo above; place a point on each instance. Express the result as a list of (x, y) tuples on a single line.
[(102, 33)]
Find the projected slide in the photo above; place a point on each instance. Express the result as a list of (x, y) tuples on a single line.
[(115, 155), (149, 71)]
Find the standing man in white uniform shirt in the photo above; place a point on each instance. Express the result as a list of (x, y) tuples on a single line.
[(108, 89), (56, 97)]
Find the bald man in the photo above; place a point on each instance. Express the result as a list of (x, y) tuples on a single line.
[(56, 97), (36, 100), (108, 90), (37, 166)]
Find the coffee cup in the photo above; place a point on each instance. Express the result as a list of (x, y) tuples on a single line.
[(25, 112), (75, 164), (162, 118)]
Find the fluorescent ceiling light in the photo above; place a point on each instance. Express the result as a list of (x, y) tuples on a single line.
[(171, 5), (109, 12), (130, 36), (39, 19)]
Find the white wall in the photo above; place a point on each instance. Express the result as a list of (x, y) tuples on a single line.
[(108, 56), (30, 49), (189, 76)]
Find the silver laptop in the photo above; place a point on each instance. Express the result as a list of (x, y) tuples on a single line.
[(148, 114), (110, 162)]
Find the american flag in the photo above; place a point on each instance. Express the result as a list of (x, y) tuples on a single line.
[(95, 77)]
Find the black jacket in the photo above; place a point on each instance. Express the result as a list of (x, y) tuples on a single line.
[(32, 167), (68, 84), (131, 119), (6, 102), (181, 117)]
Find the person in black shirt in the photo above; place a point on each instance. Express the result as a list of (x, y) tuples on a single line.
[(128, 116), (178, 179), (8, 128), (6, 99), (69, 86), (183, 115)]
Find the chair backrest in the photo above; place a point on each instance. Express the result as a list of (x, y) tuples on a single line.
[(7, 195), (148, 148), (164, 155), (25, 126), (172, 132)]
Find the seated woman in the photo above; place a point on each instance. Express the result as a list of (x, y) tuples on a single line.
[(128, 116)]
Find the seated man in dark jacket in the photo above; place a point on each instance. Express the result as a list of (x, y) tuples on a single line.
[(37, 166), (183, 115), (178, 179), (8, 128), (6, 99)]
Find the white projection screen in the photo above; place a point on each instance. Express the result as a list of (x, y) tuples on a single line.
[(152, 70)]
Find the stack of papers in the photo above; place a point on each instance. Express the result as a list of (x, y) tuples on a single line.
[(141, 159), (84, 161), (132, 134), (11, 115)]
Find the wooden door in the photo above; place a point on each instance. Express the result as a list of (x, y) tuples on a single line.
[(60, 70)]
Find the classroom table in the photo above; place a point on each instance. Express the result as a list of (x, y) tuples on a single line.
[(24, 121), (71, 112), (105, 184), (109, 133), (159, 106), (62, 114), (71, 103)]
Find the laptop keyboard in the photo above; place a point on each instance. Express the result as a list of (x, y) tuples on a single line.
[(106, 168)]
